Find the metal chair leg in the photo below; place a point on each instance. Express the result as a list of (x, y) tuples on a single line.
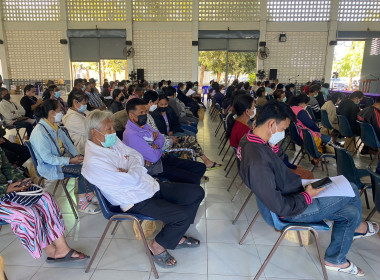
[(366, 198), (226, 154), (225, 142), (269, 257), (297, 156), (99, 244), (237, 191), (249, 227), (299, 238), (316, 237), (115, 227), (232, 164), (69, 199), (242, 208), (373, 211), (229, 161), (223, 134), (233, 180), (56, 187)]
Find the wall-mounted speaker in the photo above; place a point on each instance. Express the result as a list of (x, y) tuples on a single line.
[(333, 43), (1, 42), (194, 43), (63, 41), (272, 74), (128, 43), (262, 44), (140, 74)]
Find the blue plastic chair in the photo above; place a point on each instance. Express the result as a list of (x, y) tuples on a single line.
[(325, 120), (13, 126), (273, 220), (296, 139), (114, 213), (369, 138), (346, 131), (375, 180), (2, 223), (62, 182), (345, 166), (311, 149), (311, 113)]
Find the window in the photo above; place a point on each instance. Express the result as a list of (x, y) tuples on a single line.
[(31, 10), (163, 11), (229, 10), (298, 10), (97, 10), (366, 10)]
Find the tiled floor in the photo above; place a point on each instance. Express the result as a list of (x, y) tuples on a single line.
[(219, 257)]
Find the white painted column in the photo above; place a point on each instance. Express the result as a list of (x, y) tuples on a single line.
[(263, 29), (3, 52), (333, 27), (129, 29), (65, 48), (194, 37)]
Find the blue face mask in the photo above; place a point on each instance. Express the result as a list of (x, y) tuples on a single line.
[(84, 88), (57, 94), (82, 108), (116, 87), (110, 140)]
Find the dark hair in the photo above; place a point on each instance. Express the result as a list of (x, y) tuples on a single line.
[(169, 82), (326, 85), (112, 83), (292, 85), (189, 85), (272, 85), (120, 84), (315, 88), (240, 85), (47, 93), (139, 89), (150, 95), (2, 89), (77, 95), (235, 82), (266, 83), (162, 96), (246, 85), (260, 92), (377, 99), (216, 87), (242, 103), (302, 98), (78, 82), (287, 87), (180, 85), (106, 85), (131, 89), (357, 94), (28, 88), (335, 96), (229, 92), (170, 91), (277, 94), (275, 110), (92, 81), (160, 84), (280, 86), (133, 103), (46, 106), (115, 93)]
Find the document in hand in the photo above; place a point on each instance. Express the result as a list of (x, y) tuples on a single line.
[(340, 187)]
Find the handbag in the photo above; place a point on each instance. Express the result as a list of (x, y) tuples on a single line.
[(27, 198)]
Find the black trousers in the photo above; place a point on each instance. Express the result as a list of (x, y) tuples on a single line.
[(15, 153), (182, 170), (28, 127), (176, 205)]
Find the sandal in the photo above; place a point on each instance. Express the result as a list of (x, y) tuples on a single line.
[(68, 257), (89, 208), (92, 199), (205, 179), (162, 259), (370, 230), (351, 269), (214, 166), (189, 243)]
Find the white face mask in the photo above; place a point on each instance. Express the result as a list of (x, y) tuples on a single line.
[(254, 114), (276, 137), (58, 117), (223, 91), (153, 107)]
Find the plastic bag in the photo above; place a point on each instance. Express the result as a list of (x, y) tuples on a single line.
[(149, 227)]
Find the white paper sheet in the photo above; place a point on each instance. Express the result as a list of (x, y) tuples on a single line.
[(340, 187)]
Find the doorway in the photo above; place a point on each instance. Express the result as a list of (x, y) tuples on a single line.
[(347, 65)]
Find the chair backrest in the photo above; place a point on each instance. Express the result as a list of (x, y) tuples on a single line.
[(33, 156), (325, 119), (217, 107), (311, 113), (368, 135), (309, 143), (345, 166), (375, 181), (2, 223), (295, 135), (344, 126)]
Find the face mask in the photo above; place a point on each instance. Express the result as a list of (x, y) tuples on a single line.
[(195, 88), (254, 114), (276, 137), (110, 140), (315, 95), (7, 97), (121, 99), (121, 88), (142, 119), (116, 87), (162, 109), (58, 117), (222, 91), (153, 107), (82, 108), (57, 94), (84, 88), (284, 99)]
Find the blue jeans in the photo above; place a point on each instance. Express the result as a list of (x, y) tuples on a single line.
[(325, 138), (74, 171), (346, 212), (184, 133), (190, 128)]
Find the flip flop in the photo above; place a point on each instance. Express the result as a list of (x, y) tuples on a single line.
[(351, 269), (162, 259), (205, 179), (214, 166), (370, 230), (189, 243), (68, 257)]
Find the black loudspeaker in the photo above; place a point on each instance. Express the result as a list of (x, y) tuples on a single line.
[(333, 43), (194, 43), (272, 74), (262, 44), (140, 74)]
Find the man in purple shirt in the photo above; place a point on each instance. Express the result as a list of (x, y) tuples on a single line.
[(149, 142)]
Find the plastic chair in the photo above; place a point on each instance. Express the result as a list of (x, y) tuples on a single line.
[(13, 126), (345, 166), (114, 213), (62, 182), (311, 113), (375, 180), (325, 120), (369, 138), (273, 220), (346, 131), (222, 119), (296, 139), (2, 223), (311, 148)]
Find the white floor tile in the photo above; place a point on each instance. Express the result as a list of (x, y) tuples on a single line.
[(177, 276), (223, 231), (20, 272), (15, 254), (61, 274), (223, 211), (118, 275)]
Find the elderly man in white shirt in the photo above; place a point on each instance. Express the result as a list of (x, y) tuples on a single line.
[(119, 172)]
